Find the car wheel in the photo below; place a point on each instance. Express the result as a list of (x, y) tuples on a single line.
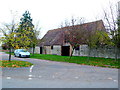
[(20, 55), (14, 55)]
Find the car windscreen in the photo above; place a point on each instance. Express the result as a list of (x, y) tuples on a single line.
[(23, 50)]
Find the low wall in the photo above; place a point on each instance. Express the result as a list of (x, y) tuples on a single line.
[(106, 52), (37, 50), (83, 51)]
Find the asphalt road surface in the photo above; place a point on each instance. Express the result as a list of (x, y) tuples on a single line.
[(51, 74)]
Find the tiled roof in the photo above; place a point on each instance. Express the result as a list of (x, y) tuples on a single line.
[(57, 36)]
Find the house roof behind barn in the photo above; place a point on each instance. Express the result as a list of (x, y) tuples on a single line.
[(57, 36)]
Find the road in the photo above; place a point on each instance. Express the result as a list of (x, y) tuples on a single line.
[(51, 74)]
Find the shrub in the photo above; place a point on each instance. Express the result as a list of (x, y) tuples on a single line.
[(5, 46)]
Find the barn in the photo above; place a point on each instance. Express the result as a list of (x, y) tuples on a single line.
[(54, 41)]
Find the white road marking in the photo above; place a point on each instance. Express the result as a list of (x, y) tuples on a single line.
[(40, 76), (76, 77), (115, 80), (29, 78), (110, 78), (53, 76), (31, 68), (8, 77), (30, 75)]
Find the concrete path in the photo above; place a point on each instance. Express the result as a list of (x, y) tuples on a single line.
[(51, 74)]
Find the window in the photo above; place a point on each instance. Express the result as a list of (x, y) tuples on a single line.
[(77, 48)]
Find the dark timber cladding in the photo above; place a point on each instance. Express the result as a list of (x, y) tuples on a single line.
[(65, 50)]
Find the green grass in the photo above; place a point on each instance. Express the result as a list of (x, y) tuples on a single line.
[(93, 61), (12, 53), (14, 63)]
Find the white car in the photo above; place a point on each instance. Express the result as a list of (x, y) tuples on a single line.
[(21, 53)]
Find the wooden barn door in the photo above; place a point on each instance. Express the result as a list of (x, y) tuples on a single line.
[(65, 51)]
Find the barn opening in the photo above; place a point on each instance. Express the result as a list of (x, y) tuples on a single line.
[(65, 51), (41, 49)]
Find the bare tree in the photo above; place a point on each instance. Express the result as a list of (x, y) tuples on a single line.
[(35, 39), (110, 16), (74, 35), (111, 24)]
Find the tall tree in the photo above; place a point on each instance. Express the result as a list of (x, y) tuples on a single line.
[(24, 38), (26, 21), (11, 40), (27, 25), (112, 20), (15, 39), (116, 37), (118, 31)]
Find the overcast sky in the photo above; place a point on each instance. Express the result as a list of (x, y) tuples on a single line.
[(50, 13)]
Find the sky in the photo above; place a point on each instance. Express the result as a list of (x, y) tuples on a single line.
[(51, 13)]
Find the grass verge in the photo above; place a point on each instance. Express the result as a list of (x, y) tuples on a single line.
[(14, 63), (83, 60), (93, 61)]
